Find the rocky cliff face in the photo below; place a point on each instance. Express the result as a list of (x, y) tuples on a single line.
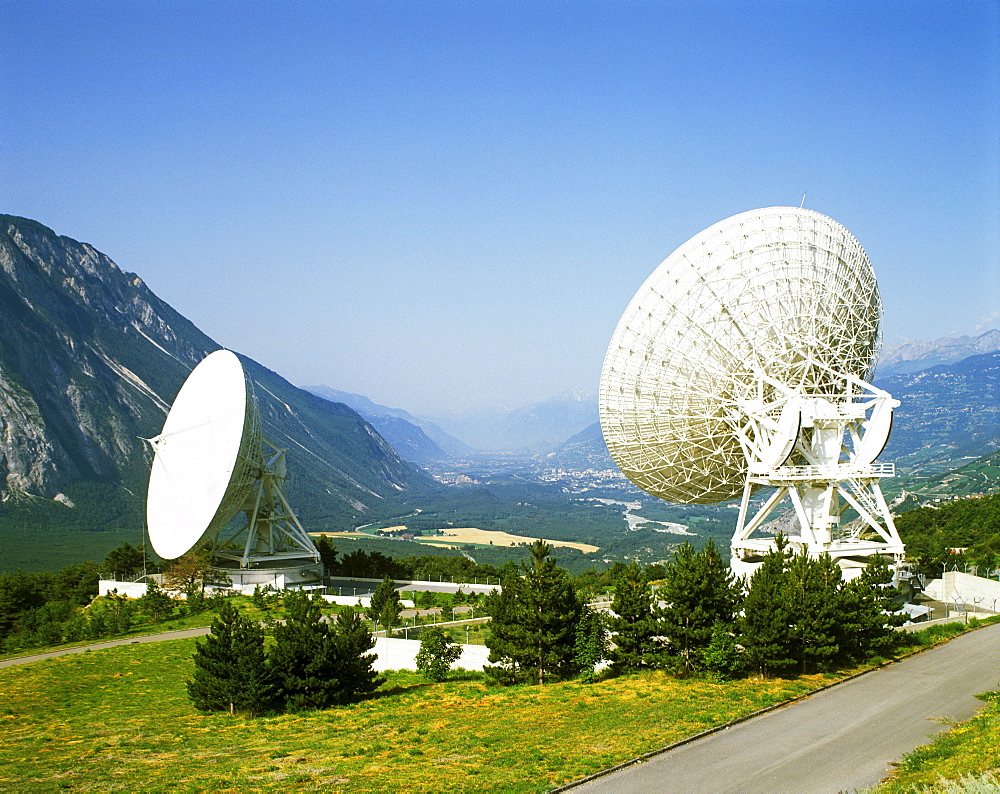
[(90, 360)]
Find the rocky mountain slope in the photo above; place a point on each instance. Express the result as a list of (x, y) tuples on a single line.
[(90, 360)]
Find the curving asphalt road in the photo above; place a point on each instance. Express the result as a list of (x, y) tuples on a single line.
[(838, 740), (177, 634)]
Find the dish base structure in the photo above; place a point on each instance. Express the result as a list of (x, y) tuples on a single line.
[(834, 441), (270, 545)]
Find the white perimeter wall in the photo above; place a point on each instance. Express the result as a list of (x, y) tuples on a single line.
[(130, 589), (977, 593)]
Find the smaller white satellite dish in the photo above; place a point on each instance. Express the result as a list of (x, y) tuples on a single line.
[(210, 464), (207, 456)]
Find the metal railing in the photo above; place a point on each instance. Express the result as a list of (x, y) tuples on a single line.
[(840, 471)]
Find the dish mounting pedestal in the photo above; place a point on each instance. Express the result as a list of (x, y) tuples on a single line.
[(832, 442)]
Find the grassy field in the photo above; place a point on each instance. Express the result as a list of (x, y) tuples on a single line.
[(119, 719)]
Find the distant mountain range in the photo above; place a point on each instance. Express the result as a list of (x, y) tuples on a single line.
[(90, 361), (417, 440), (918, 355), (530, 429)]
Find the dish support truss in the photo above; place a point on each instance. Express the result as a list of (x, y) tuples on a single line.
[(831, 442), (271, 533)]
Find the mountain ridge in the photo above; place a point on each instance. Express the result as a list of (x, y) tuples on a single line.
[(421, 437), (916, 355), (91, 359)]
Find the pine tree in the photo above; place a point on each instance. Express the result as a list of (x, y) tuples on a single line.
[(633, 628), (533, 631), (305, 659), (508, 630), (230, 667), (816, 609), (385, 605), (870, 616), (327, 554), (698, 591), (765, 624), (120, 614), (126, 561), (591, 645), (437, 654), (723, 657), (156, 603), (351, 640)]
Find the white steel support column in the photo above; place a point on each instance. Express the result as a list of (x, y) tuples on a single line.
[(836, 439), (271, 533)]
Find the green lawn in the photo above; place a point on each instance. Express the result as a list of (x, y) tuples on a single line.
[(120, 719)]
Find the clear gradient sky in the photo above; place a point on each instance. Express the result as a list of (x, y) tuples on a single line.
[(448, 205)]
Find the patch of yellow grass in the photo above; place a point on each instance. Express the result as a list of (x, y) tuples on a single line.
[(464, 535)]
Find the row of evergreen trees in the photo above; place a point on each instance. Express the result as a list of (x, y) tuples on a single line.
[(312, 664), (795, 615)]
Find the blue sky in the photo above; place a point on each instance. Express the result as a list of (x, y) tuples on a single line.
[(448, 205)]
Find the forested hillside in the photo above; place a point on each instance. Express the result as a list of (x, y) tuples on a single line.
[(931, 533)]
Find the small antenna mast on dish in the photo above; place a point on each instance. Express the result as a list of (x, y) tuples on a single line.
[(742, 364), (803, 202), (212, 461)]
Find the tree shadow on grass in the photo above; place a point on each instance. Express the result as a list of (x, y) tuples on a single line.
[(394, 690)]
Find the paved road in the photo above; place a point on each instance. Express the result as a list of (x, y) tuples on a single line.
[(179, 634), (393, 654), (841, 739)]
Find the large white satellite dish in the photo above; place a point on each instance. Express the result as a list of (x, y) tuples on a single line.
[(742, 363), (211, 461)]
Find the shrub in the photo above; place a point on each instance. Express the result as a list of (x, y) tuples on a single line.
[(437, 654)]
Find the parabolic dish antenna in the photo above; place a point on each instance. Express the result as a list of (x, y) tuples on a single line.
[(745, 356), (212, 461), (206, 456)]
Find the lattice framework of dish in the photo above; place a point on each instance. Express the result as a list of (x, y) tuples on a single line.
[(783, 291)]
